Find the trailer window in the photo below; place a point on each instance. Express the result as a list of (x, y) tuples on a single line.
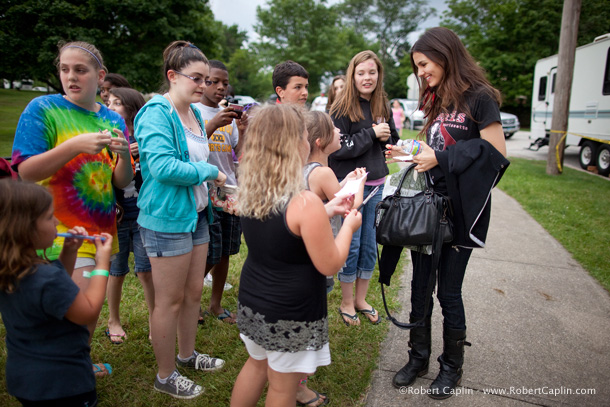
[(553, 82), (542, 88), (606, 87)]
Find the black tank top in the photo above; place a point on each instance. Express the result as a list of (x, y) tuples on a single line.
[(282, 297)]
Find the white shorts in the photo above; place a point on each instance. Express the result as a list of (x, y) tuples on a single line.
[(306, 361)]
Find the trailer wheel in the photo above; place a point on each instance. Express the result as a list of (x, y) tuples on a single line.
[(603, 159), (587, 154)]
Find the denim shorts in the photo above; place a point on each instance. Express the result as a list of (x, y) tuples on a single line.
[(225, 236), (163, 244), (128, 232)]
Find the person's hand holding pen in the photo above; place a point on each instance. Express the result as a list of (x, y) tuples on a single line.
[(120, 145)]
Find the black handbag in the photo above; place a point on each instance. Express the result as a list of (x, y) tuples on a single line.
[(411, 215), (414, 215)]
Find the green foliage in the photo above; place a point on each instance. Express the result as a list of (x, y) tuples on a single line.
[(573, 208), (507, 37), (248, 76), (308, 32), (131, 34)]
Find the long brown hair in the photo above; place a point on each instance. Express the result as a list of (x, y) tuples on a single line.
[(348, 105), (132, 102), (22, 204), (332, 93), (461, 73)]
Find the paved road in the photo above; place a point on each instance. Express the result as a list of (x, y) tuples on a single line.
[(517, 146)]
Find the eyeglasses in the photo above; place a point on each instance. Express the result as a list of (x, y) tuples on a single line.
[(197, 80)]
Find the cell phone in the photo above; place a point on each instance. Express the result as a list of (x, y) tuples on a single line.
[(239, 109), (369, 196)]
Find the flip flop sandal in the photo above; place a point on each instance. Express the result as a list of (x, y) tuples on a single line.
[(370, 312), (101, 368), (346, 315), (313, 400), (202, 316), (226, 314), (110, 336)]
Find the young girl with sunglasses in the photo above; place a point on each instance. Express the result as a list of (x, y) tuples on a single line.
[(174, 214), (43, 311)]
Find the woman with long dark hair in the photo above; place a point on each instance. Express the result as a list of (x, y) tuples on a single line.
[(464, 154)]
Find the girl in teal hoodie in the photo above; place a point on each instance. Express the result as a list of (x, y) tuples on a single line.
[(173, 217)]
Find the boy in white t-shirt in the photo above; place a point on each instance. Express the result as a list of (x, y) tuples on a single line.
[(221, 126)]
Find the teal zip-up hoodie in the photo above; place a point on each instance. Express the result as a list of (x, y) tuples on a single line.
[(166, 199)]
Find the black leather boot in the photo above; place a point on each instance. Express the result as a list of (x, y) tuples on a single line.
[(420, 340), (450, 374)]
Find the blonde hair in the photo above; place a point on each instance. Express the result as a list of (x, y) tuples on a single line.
[(22, 204), (347, 103), (319, 126), (271, 170)]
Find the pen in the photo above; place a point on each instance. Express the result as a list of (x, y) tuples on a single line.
[(369, 196), (80, 236)]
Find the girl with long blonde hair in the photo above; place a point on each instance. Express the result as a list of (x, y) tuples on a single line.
[(290, 251)]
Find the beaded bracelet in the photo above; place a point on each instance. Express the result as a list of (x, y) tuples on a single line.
[(100, 273)]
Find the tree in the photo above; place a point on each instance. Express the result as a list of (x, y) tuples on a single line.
[(507, 37), (308, 32), (248, 75), (389, 22), (131, 34)]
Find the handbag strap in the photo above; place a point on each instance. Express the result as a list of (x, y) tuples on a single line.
[(436, 257)]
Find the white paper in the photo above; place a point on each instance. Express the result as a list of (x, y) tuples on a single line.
[(404, 158), (351, 187)]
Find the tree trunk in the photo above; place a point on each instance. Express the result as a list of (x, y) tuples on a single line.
[(563, 86)]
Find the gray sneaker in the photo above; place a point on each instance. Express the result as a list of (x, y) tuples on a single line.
[(201, 361), (178, 386)]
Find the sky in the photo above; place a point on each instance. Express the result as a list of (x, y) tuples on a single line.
[(243, 13)]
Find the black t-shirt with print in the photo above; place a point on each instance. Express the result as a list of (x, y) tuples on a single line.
[(449, 128)]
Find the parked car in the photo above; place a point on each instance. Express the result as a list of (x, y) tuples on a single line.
[(413, 116), (319, 104), (510, 124)]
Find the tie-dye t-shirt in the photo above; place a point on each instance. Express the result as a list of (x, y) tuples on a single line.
[(82, 189)]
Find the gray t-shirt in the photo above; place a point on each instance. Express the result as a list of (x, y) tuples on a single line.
[(221, 142)]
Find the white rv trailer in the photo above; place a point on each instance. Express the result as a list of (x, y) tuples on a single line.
[(589, 120)]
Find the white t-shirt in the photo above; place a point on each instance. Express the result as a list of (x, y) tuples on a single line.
[(198, 151)]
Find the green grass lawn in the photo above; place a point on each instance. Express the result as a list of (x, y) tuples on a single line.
[(573, 207)]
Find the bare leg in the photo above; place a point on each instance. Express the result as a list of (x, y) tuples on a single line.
[(115, 290), (282, 388), (149, 296), (169, 275), (362, 287), (189, 310), (250, 383), (219, 272), (347, 302), (305, 394)]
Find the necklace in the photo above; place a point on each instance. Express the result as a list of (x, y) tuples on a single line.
[(184, 122)]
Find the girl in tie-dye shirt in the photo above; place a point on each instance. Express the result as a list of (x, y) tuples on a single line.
[(76, 148)]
